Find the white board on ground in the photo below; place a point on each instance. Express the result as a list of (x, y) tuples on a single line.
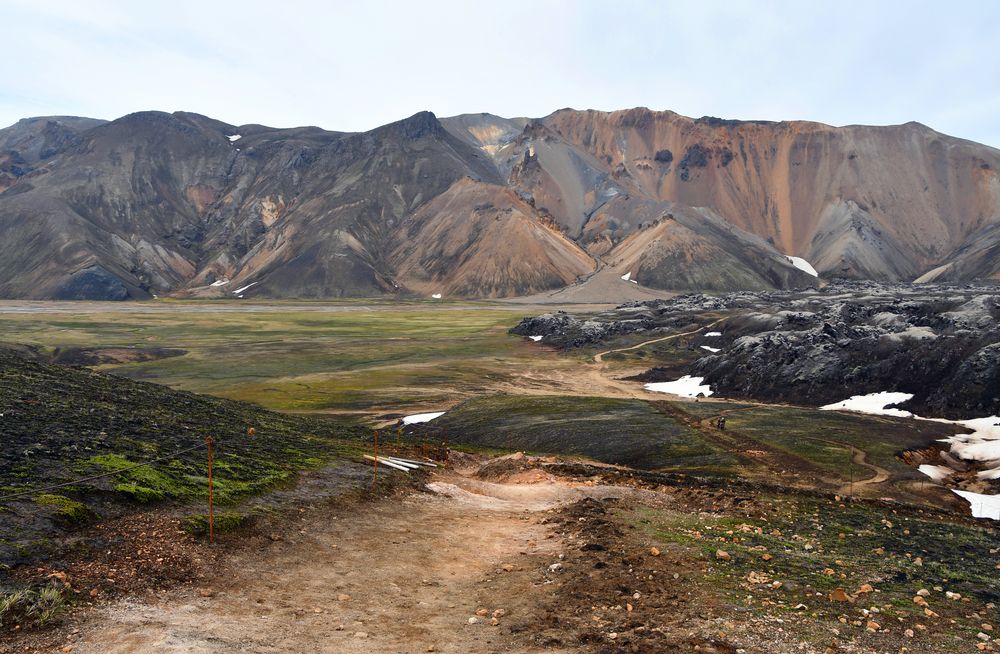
[(686, 386), (421, 417)]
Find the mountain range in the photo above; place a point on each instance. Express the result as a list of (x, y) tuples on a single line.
[(158, 204)]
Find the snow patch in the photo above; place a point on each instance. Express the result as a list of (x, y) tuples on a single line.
[(627, 276), (240, 290), (536, 338), (686, 386), (233, 138), (421, 417), (937, 473), (802, 265), (983, 444), (713, 350), (874, 403), (989, 475), (436, 296), (711, 334), (983, 506), (219, 282)]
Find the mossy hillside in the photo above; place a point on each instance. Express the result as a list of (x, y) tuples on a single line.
[(823, 437), (628, 432), (61, 425)]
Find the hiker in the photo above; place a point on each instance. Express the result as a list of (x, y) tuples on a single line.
[(722, 423)]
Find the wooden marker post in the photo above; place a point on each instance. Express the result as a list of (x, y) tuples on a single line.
[(211, 516), (850, 464), (375, 467)]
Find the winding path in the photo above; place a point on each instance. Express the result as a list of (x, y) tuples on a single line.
[(859, 457), (599, 357)]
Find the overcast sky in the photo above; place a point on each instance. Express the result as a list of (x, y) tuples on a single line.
[(354, 66)]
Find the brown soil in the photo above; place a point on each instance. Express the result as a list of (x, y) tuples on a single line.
[(416, 569), (538, 559)]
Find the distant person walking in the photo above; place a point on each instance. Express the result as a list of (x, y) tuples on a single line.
[(722, 423)]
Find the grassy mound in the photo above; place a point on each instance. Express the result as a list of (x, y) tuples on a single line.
[(626, 432)]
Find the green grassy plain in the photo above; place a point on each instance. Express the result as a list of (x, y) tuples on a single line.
[(361, 358), (364, 361)]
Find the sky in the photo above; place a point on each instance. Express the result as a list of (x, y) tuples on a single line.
[(352, 66)]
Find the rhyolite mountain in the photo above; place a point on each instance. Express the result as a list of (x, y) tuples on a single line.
[(482, 206)]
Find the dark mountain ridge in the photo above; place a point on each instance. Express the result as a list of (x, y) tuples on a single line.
[(155, 203)]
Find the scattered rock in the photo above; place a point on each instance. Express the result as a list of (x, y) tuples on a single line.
[(840, 595)]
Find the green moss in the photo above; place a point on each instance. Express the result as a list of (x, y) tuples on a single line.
[(67, 509), (143, 483), (224, 522)]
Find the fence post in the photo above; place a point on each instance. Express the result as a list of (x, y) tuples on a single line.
[(211, 517), (375, 468)]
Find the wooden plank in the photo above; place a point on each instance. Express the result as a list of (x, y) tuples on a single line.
[(387, 463)]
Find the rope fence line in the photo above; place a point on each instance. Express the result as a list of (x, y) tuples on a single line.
[(112, 473), (208, 444)]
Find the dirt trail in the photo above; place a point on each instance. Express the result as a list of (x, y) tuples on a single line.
[(416, 569), (880, 475), (599, 357), (587, 380), (859, 457)]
